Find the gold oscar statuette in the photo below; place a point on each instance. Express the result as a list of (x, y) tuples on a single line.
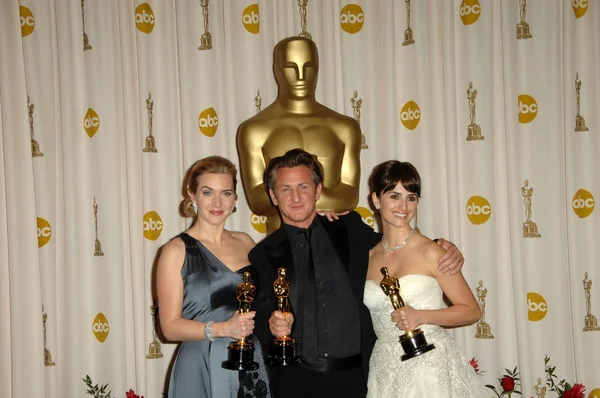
[(523, 31), (150, 142), (591, 322), (86, 42), (283, 349), (258, 101), (303, 32), (35, 146), (530, 229), (540, 390), (97, 245), (154, 350), (473, 130), (408, 33), (47, 355), (484, 331), (413, 341), (579, 120), (240, 354), (296, 120), (206, 38), (356, 105)]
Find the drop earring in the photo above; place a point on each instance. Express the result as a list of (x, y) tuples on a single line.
[(195, 207)]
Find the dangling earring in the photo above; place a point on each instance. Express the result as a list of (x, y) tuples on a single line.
[(195, 207), (377, 206), (416, 228)]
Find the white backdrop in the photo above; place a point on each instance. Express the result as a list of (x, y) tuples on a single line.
[(90, 120)]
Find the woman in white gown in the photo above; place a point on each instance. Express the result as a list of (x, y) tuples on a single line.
[(412, 258)]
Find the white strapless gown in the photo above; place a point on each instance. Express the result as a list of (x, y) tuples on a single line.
[(439, 373)]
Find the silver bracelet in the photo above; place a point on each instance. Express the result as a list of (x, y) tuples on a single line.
[(208, 331)]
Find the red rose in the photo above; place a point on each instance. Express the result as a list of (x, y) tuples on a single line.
[(577, 391), (132, 394), (508, 384), (475, 365)]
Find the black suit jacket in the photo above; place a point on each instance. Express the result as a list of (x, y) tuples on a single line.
[(352, 240)]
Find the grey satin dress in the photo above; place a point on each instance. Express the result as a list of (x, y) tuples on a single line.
[(209, 294)]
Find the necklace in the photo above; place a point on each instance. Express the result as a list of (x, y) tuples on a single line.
[(397, 247)]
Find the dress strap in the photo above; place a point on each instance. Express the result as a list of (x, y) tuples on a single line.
[(188, 240)]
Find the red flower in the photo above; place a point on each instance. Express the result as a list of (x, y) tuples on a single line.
[(577, 391), (508, 384), (475, 365), (132, 394)]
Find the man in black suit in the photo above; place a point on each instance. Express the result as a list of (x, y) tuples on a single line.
[(326, 264)]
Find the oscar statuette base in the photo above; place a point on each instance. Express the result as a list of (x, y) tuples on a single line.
[(240, 356), (408, 37), (591, 324), (48, 358), (580, 124), (530, 230), (98, 249), (86, 43), (205, 41), (154, 351), (523, 31), (474, 133), (283, 352), (35, 149), (414, 344), (150, 145), (363, 143), (484, 331)]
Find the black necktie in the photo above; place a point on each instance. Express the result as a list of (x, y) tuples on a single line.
[(310, 342)]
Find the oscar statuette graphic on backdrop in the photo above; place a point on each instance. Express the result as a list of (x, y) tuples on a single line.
[(356, 103), (473, 130), (591, 322), (97, 245), (258, 101), (206, 38), (47, 355), (530, 229), (35, 146), (150, 142), (540, 390), (523, 31), (302, 4), (408, 33), (86, 42), (579, 120), (154, 350), (484, 331)]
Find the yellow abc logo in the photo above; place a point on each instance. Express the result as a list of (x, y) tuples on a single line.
[(251, 19), (144, 18), (208, 121), (479, 210), (583, 203), (44, 232), (410, 115), (469, 11), (537, 308), (595, 393), (100, 327), (352, 18), (528, 108), (580, 7), (153, 225), (27, 21), (91, 122), (366, 216), (259, 223)]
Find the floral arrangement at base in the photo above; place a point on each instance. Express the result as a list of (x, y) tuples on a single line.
[(509, 382), (98, 391), (561, 387)]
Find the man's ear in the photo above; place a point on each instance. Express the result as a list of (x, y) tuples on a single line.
[(319, 191), (272, 196)]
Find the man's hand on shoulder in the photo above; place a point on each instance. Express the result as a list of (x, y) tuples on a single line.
[(332, 215), (452, 261)]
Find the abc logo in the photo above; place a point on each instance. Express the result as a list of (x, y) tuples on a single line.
[(583, 203), (153, 225), (144, 18), (27, 21), (208, 121), (91, 122), (100, 327), (352, 18), (536, 307), (410, 115), (366, 216), (528, 108), (478, 210), (44, 231), (259, 223), (595, 393), (580, 7), (251, 19), (469, 11)]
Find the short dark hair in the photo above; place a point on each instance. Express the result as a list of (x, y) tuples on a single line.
[(293, 158), (388, 174)]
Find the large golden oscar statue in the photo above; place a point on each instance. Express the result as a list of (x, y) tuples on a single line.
[(296, 120)]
